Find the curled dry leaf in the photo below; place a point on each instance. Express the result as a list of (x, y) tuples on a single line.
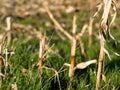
[(113, 19), (104, 27), (83, 65), (106, 52)]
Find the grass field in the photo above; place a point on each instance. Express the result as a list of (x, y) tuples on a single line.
[(23, 70)]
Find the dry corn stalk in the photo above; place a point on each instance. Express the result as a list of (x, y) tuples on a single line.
[(90, 30), (9, 28), (2, 60), (79, 37), (56, 22), (69, 36), (44, 49), (82, 47), (73, 38), (6, 38), (100, 62), (73, 47), (41, 51), (104, 29)]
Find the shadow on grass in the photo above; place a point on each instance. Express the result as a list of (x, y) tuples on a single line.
[(113, 64), (113, 72), (80, 76)]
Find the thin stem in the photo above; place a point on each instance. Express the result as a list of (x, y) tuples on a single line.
[(90, 30), (72, 60), (82, 47), (41, 52), (57, 23), (9, 28), (100, 63), (73, 47)]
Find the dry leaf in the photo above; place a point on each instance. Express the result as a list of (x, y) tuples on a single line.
[(83, 65)]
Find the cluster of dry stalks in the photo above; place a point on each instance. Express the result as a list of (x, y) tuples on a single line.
[(4, 42), (8, 35), (74, 38), (103, 33)]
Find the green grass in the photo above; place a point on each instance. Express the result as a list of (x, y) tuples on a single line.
[(26, 58)]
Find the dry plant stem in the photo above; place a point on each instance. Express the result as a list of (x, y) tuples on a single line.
[(1, 60), (90, 30), (113, 19), (82, 47), (72, 62), (73, 48), (79, 37), (6, 61), (107, 5), (41, 51), (100, 63), (41, 64), (103, 33), (74, 25), (9, 28), (104, 20), (57, 23)]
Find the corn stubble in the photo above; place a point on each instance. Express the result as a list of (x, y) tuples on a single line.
[(74, 39), (41, 52), (104, 32), (4, 42), (43, 49)]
